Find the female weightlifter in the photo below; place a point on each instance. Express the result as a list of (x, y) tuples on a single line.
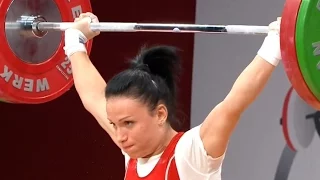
[(137, 107)]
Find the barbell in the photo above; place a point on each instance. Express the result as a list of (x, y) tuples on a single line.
[(37, 25), (40, 72)]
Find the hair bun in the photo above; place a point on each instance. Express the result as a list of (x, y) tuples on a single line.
[(161, 61)]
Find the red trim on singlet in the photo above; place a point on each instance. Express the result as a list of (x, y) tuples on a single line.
[(159, 171)]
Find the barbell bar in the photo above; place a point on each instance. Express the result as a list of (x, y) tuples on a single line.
[(154, 27), (37, 23)]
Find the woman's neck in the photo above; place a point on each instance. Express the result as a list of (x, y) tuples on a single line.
[(167, 137)]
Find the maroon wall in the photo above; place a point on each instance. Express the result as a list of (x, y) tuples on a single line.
[(60, 140)]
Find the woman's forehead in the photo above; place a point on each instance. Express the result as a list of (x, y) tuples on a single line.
[(118, 108)]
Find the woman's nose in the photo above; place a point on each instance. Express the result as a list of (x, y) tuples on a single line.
[(121, 136)]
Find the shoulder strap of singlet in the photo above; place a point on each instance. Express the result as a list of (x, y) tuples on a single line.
[(170, 154), (172, 145)]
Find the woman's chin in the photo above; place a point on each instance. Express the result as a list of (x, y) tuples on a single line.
[(135, 154)]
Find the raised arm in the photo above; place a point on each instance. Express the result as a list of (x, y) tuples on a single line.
[(88, 82), (217, 128)]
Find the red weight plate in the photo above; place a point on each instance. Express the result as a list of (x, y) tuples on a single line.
[(297, 129), (34, 83), (289, 55), (284, 121)]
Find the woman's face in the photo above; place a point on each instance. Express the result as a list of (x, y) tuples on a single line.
[(138, 131)]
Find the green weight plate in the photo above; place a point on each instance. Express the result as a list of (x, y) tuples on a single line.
[(2, 100), (308, 44), (289, 55)]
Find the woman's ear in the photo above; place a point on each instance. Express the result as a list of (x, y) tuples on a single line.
[(162, 114)]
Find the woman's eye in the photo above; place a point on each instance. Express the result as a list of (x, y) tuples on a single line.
[(128, 123)]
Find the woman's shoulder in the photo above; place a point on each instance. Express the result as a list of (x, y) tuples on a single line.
[(191, 155)]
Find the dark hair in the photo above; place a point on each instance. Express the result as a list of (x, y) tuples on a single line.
[(151, 78)]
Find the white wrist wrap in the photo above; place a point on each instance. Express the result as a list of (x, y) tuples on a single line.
[(270, 49), (74, 42)]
